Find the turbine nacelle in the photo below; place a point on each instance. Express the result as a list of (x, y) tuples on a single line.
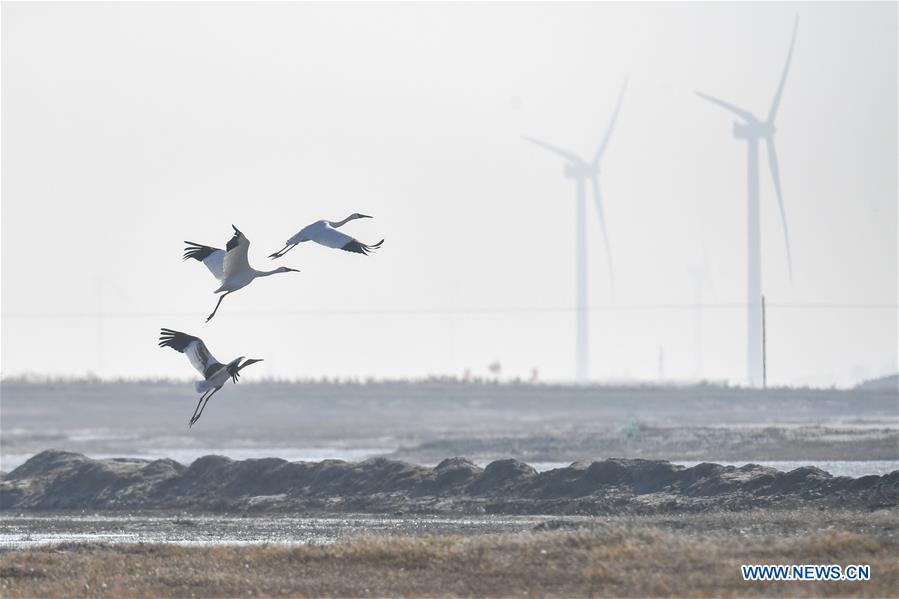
[(753, 129), (579, 170)]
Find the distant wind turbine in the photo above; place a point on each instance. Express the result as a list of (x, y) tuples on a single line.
[(752, 129), (215, 374), (230, 266), (584, 172)]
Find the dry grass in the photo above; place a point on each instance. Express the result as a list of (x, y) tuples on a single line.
[(611, 560)]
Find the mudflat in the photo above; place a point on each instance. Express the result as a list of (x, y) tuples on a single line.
[(687, 555), (621, 521), (426, 421), (66, 480)]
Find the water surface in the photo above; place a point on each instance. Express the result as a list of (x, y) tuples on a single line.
[(21, 531)]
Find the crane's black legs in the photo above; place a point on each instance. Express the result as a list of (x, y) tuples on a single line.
[(194, 417), (208, 397), (282, 251), (217, 306)]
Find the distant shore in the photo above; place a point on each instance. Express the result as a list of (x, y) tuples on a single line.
[(425, 421)]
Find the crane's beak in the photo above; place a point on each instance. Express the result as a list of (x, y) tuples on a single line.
[(236, 230), (292, 269), (250, 361), (365, 216)]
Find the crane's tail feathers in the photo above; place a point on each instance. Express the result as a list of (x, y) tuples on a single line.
[(197, 251), (202, 386), (361, 248)]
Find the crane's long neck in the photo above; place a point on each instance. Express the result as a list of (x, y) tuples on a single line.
[(265, 273), (341, 222)]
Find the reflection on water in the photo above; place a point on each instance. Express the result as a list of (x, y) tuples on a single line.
[(23, 531)]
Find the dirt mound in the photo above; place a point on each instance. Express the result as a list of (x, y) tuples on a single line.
[(64, 480)]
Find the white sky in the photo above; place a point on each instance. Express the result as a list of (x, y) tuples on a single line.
[(127, 128)]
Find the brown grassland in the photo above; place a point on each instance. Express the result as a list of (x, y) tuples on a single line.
[(612, 558)]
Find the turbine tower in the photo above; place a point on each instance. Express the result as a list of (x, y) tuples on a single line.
[(586, 173), (753, 129)]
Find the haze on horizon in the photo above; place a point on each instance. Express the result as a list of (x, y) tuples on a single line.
[(130, 127)]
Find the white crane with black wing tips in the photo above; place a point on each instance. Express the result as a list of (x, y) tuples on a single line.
[(325, 232), (230, 266), (215, 374)]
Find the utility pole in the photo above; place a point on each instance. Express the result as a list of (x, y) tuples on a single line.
[(764, 349)]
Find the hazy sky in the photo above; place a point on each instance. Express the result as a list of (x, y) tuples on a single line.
[(128, 128)]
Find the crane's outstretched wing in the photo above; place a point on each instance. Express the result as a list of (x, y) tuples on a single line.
[(333, 238), (235, 367), (236, 254), (192, 347), (361, 248), (307, 232), (213, 258)]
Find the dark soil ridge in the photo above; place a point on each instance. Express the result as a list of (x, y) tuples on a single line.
[(55, 480)]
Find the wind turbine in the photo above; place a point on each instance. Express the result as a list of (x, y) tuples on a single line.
[(752, 129), (585, 173)]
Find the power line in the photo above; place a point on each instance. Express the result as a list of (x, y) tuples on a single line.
[(451, 311)]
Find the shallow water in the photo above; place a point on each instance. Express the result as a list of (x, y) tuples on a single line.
[(24, 531)]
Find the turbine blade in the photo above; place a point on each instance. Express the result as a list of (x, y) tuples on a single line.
[(594, 183), (605, 140), (558, 151), (783, 78), (775, 175), (740, 112)]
